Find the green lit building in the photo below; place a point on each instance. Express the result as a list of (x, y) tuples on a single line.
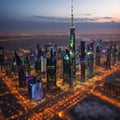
[(72, 51)]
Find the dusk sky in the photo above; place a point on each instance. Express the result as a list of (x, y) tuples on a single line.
[(104, 9), (59, 10)]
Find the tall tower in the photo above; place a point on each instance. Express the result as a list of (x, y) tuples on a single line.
[(72, 50), (72, 32)]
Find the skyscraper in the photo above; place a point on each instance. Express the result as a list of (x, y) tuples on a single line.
[(72, 49), (98, 52), (35, 89), (82, 61), (21, 73), (97, 57), (114, 54), (66, 67), (32, 58), (119, 54), (90, 59), (1, 57), (108, 58), (51, 71)]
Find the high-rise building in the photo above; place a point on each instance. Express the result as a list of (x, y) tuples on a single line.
[(72, 50), (21, 77), (82, 61), (43, 64), (32, 58), (90, 56), (98, 52), (60, 60), (97, 56), (39, 51), (108, 59), (35, 89), (38, 66), (21, 72), (51, 71), (48, 47), (114, 54), (26, 65), (1, 57), (59, 69), (8, 66), (66, 67), (119, 54)]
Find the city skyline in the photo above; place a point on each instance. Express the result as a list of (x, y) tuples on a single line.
[(58, 60)]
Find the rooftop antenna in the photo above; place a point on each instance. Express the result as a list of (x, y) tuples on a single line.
[(71, 13)]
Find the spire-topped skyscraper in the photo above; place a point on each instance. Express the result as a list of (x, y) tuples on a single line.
[(72, 32), (72, 49)]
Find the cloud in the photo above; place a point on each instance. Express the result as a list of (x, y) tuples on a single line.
[(84, 15), (113, 21), (107, 17), (88, 14), (86, 18), (49, 19)]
